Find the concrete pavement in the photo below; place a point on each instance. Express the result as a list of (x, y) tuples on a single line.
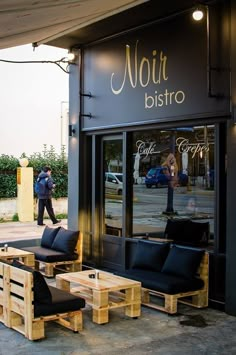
[(192, 331), (13, 231)]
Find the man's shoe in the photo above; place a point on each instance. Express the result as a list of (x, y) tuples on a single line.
[(59, 221), (43, 224)]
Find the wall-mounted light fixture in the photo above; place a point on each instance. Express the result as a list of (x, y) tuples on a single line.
[(71, 130), (198, 14), (71, 56)]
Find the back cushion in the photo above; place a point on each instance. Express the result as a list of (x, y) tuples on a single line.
[(182, 262), (65, 241), (199, 231), (48, 236), (176, 229), (150, 256), (42, 293)]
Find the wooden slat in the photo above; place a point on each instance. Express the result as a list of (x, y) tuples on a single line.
[(74, 265), (198, 298), (17, 310)]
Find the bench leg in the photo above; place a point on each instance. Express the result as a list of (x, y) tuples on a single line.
[(171, 304), (145, 296), (76, 267), (200, 300), (36, 330), (76, 322), (37, 265), (49, 270)]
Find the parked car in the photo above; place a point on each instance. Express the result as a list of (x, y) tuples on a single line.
[(157, 177), (114, 183), (160, 177)]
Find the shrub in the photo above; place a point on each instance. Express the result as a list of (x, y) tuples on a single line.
[(57, 162)]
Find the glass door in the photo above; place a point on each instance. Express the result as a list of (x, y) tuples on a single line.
[(112, 148)]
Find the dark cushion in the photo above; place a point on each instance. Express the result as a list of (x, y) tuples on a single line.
[(65, 241), (162, 282), (50, 255), (62, 301), (182, 262), (150, 255), (48, 236), (42, 293), (175, 229), (199, 231), (187, 232)]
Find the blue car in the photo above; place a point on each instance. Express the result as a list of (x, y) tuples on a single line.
[(157, 177), (160, 177)]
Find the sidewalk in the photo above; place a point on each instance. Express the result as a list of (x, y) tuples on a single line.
[(12, 231), (191, 332)]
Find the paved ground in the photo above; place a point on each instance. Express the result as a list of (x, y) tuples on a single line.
[(12, 231), (191, 332)]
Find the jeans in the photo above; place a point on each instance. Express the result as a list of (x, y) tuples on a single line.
[(42, 203)]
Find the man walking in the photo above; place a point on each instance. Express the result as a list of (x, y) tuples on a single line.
[(44, 188)]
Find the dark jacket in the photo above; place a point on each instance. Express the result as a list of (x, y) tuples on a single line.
[(49, 186)]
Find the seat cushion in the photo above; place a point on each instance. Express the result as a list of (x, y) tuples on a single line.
[(182, 262), (48, 236), (150, 255), (62, 301), (50, 255), (42, 293), (65, 241), (161, 282)]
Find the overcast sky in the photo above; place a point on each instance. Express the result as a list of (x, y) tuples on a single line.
[(32, 99)]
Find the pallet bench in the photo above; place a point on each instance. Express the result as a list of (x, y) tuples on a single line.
[(26, 302), (172, 273), (60, 248)]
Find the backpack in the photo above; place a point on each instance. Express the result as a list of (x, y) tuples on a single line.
[(41, 186)]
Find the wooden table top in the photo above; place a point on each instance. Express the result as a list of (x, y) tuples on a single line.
[(106, 281), (13, 252)]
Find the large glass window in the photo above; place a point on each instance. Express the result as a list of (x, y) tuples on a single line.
[(173, 174)]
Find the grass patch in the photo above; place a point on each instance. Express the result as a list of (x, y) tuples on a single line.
[(61, 216)]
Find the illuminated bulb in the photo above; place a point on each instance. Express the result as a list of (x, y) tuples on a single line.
[(201, 155), (71, 56), (197, 15)]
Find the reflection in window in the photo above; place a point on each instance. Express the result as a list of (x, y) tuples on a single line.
[(113, 186), (173, 178)]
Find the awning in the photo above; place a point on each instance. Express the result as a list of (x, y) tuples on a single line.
[(27, 21)]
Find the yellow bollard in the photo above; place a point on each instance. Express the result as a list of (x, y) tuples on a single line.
[(25, 193)]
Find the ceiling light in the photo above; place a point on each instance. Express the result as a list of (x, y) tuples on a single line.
[(197, 14)]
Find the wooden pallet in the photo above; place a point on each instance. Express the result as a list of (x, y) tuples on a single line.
[(16, 305), (197, 298), (47, 269)]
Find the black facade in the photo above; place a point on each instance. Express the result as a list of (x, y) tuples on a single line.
[(165, 87)]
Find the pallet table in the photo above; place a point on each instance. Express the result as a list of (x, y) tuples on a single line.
[(107, 292), (13, 253)]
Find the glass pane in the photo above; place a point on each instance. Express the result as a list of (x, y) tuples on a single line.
[(173, 178), (113, 186)]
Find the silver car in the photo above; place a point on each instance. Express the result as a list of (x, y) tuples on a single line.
[(114, 183)]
